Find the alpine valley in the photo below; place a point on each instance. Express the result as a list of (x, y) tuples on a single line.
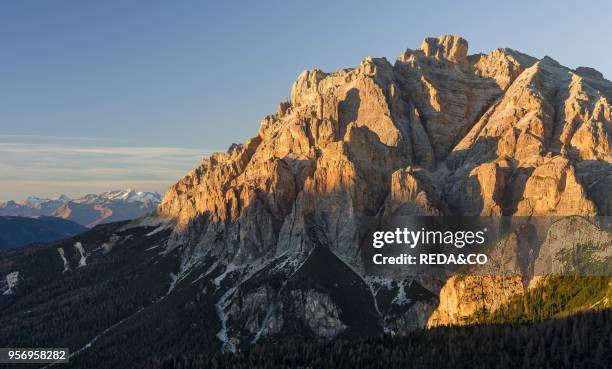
[(266, 243)]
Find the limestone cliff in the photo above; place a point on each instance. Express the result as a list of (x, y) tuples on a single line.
[(438, 132)]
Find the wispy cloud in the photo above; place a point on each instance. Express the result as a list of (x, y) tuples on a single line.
[(52, 138), (20, 148), (47, 168)]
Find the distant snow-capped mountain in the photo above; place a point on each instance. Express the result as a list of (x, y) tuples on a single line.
[(32, 206), (89, 210), (128, 195)]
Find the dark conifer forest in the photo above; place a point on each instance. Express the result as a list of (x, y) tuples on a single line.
[(583, 340)]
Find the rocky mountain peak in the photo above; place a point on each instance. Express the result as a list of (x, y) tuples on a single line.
[(62, 197), (589, 72), (448, 47), (502, 134)]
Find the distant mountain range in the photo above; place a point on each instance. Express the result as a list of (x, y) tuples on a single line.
[(19, 231), (89, 210)]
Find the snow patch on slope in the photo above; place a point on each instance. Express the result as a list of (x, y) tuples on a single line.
[(401, 298), (163, 226), (79, 247), (35, 201), (11, 282), (227, 343), (63, 256), (228, 269)]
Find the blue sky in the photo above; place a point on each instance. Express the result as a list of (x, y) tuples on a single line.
[(183, 78)]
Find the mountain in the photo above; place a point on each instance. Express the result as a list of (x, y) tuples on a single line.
[(268, 242), (32, 206), (19, 231), (89, 210)]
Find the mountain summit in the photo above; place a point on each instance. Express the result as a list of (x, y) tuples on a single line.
[(437, 132), (267, 242)]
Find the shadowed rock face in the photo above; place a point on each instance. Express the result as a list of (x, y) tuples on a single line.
[(269, 238)]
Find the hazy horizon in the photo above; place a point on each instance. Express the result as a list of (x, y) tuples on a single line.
[(111, 95), (50, 166)]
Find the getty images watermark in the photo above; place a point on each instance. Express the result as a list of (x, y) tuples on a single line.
[(411, 239)]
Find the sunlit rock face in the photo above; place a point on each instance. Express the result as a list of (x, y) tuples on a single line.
[(438, 132)]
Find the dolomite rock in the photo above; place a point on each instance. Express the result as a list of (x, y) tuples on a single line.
[(509, 256), (320, 314), (502, 65), (589, 72), (478, 190), (413, 193), (463, 296), (560, 251), (438, 132), (553, 189), (596, 178), (447, 91), (453, 48)]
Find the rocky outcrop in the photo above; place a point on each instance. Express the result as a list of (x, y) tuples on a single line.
[(464, 296), (573, 245), (452, 48), (553, 189), (413, 193)]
